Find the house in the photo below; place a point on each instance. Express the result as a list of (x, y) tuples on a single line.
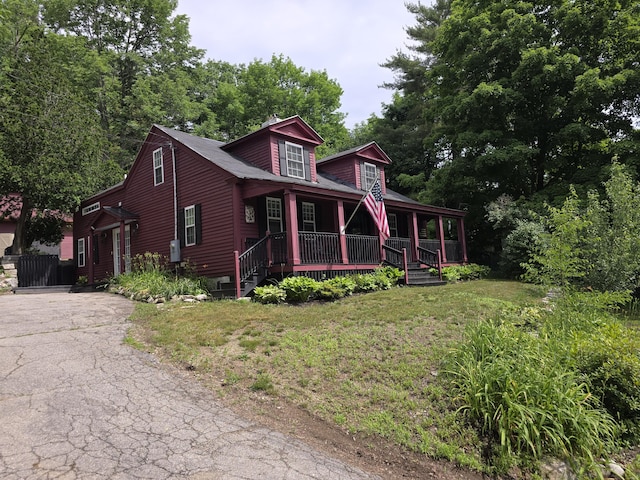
[(10, 207), (261, 205)]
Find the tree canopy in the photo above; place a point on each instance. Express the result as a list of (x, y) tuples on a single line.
[(518, 98)]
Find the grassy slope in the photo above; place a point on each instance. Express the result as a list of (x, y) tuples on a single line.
[(368, 363)]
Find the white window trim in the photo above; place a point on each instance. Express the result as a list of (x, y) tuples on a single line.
[(187, 226), (290, 161), (158, 164), (90, 208), (270, 218), (82, 253), (367, 179), (312, 211)]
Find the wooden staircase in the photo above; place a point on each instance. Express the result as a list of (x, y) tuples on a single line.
[(420, 275)]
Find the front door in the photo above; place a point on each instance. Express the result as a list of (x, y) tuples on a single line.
[(115, 235)]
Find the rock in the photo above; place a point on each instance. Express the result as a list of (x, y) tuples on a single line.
[(554, 469), (616, 471), (202, 297)]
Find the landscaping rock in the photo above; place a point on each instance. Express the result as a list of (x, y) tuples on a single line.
[(615, 470), (554, 469)]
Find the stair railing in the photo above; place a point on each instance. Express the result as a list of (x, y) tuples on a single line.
[(398, 259), (251, 261), (431, 259)]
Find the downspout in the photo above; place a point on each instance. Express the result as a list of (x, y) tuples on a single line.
[(175, 192)]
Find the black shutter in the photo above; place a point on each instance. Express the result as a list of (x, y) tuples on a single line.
[(95, 244), (282, 154), (181, 226), (198, 212), (307, 164)]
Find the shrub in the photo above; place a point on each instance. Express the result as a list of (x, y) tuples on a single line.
[(299, 289), (528, 404), (269, 294), (456, 273), (365, 282), (334, 288), (610, 358)]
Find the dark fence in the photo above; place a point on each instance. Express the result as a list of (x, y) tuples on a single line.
[(362, 249), (44, 271), (319, 248)]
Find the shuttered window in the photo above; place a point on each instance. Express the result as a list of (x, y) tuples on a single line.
[(369, 175), (82, 254), (158, 167)]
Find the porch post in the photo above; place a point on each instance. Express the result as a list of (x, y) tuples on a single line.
[(462, 239), (343, 233), (440, 233), (415, 235), (121, 259), (293, 242)]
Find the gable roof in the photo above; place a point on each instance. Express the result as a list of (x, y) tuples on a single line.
[(294, 127), (368, 151), (212, 150)]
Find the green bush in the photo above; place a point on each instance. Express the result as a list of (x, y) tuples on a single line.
[(529, 405), (610, 358), (299, 289), (334, 288), (269, 294), (455, 273), (365, 282)]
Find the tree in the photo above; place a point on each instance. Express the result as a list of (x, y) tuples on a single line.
[(50, 138), (240, 98), (147, 69), (522, 98)]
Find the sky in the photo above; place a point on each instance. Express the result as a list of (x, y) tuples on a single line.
[(349, 39)]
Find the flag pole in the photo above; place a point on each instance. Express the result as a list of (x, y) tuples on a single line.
[(344, 229)]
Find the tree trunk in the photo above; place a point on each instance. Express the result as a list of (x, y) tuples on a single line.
[(19, 245)]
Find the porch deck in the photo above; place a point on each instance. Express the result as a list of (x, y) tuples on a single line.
[(330, 254)]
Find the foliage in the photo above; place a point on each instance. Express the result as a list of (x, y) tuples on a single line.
[(456, 273), (269, 294), (50, 136), (150, 277), (597, 245), (510, 383), (610, 358), (520, 245), (516, 98), (298, 289), (335, 288)]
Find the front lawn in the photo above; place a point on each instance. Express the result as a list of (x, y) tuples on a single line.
[(368, 363)]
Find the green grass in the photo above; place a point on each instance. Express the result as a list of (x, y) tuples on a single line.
[(369, 363)]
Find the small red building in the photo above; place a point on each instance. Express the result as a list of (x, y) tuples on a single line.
[(257, 206)]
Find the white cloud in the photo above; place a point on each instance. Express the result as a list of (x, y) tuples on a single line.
[(347, 38)]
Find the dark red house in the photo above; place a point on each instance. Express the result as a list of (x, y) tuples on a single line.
[(257, 206)]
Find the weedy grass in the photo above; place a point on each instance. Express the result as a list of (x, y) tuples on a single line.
[(369, 363)]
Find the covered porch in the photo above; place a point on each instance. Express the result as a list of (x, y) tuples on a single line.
[(328, 236)]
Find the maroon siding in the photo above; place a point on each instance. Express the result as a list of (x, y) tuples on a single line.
[(347, 170), (258, 153)]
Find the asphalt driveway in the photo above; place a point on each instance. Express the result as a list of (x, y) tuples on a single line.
[(76, 403)]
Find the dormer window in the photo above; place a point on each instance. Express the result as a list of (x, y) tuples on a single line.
[(369, 176), (295, 160)]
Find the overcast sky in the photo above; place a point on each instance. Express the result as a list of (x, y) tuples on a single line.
[(347, 38)]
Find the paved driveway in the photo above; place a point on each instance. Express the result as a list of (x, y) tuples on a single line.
[(75, 402)]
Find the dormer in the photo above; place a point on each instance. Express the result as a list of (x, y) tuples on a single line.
[(359, 166), (283, 147)]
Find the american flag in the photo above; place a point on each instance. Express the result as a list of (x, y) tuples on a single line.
[(375, 205)]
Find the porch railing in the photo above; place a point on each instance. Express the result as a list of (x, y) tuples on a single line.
[(319, 248), (393, 256), (398, 243), (452, 248), (278, 248), (362, 249)]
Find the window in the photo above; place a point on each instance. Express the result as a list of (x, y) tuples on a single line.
[(369, 176), (81, 253), (190, 225), (308, 217), (393, 224), (295, 160), (158, 169), (90, 208), (274, 215)]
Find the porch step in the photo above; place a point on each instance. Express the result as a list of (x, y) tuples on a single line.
[(422, 276)]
